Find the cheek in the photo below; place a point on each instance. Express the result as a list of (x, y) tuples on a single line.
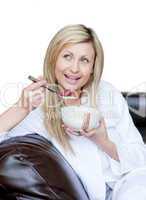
[(60, 66), (86, 75), (87, 72), (85, 78)]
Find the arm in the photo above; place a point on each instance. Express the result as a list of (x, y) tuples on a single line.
[(110, 148), (118, 137), (12, 117), (100, 137), (129, 144), (122, 141), (15, 114)]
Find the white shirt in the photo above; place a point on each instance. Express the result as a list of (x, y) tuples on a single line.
[(93, 166)]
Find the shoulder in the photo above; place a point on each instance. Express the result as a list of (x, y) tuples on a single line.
[(107, 86), (108, 90)]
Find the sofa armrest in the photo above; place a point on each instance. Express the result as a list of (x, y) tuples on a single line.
[(32, 168)]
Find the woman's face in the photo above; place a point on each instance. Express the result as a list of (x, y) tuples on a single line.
[(74, 65)]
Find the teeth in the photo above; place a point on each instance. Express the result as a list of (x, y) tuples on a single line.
[(71, 77)]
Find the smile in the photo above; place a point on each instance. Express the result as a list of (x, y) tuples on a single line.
[(71, 79)]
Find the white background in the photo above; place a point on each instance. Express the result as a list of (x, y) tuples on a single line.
[(27, 26)]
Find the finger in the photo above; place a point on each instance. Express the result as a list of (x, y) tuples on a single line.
[(102, 123), (36, 97), (40, 77), (84, 133), (33, 93), (89, 133), (36, 85), (69, 128), (71, 132), (36, 104), (86, 121), (41, 90)]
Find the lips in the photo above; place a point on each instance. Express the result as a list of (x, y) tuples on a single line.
[(72, 77)]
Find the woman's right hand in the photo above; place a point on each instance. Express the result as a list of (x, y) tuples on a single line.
[(32, 95)]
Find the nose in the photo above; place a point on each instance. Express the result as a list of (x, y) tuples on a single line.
[(75, 67)]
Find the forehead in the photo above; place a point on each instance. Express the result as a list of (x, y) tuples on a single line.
[(85, 48)]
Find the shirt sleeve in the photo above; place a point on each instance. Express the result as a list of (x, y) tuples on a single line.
[(129, 143), (32, 123)]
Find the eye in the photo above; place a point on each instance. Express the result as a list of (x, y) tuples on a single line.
[(85, 60), (67, 56)]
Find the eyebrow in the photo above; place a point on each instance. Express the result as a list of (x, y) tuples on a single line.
[(68, 51), (72, 53)]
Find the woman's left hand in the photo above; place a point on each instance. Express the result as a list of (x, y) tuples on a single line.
[(97, 135)]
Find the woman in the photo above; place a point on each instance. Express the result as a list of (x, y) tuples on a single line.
[(101, 156)]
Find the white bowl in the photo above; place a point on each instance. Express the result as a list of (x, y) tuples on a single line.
[(73, 116)]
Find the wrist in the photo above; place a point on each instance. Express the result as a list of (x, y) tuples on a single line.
[(22, 109), (110, 148), (101, 141), (104, 143)]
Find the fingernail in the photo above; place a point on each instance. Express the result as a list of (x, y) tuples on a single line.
[(82, 131)]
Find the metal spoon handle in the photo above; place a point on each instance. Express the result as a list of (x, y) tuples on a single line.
[(36, 80), (50, 89)]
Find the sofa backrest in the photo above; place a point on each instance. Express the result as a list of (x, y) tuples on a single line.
[(137, 107)]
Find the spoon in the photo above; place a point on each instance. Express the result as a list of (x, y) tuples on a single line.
[(50, 89)]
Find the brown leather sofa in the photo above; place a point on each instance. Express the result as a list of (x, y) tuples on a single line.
[(137, 107), (31, 168)]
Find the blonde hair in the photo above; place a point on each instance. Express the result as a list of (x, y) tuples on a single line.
[(71, 34)]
